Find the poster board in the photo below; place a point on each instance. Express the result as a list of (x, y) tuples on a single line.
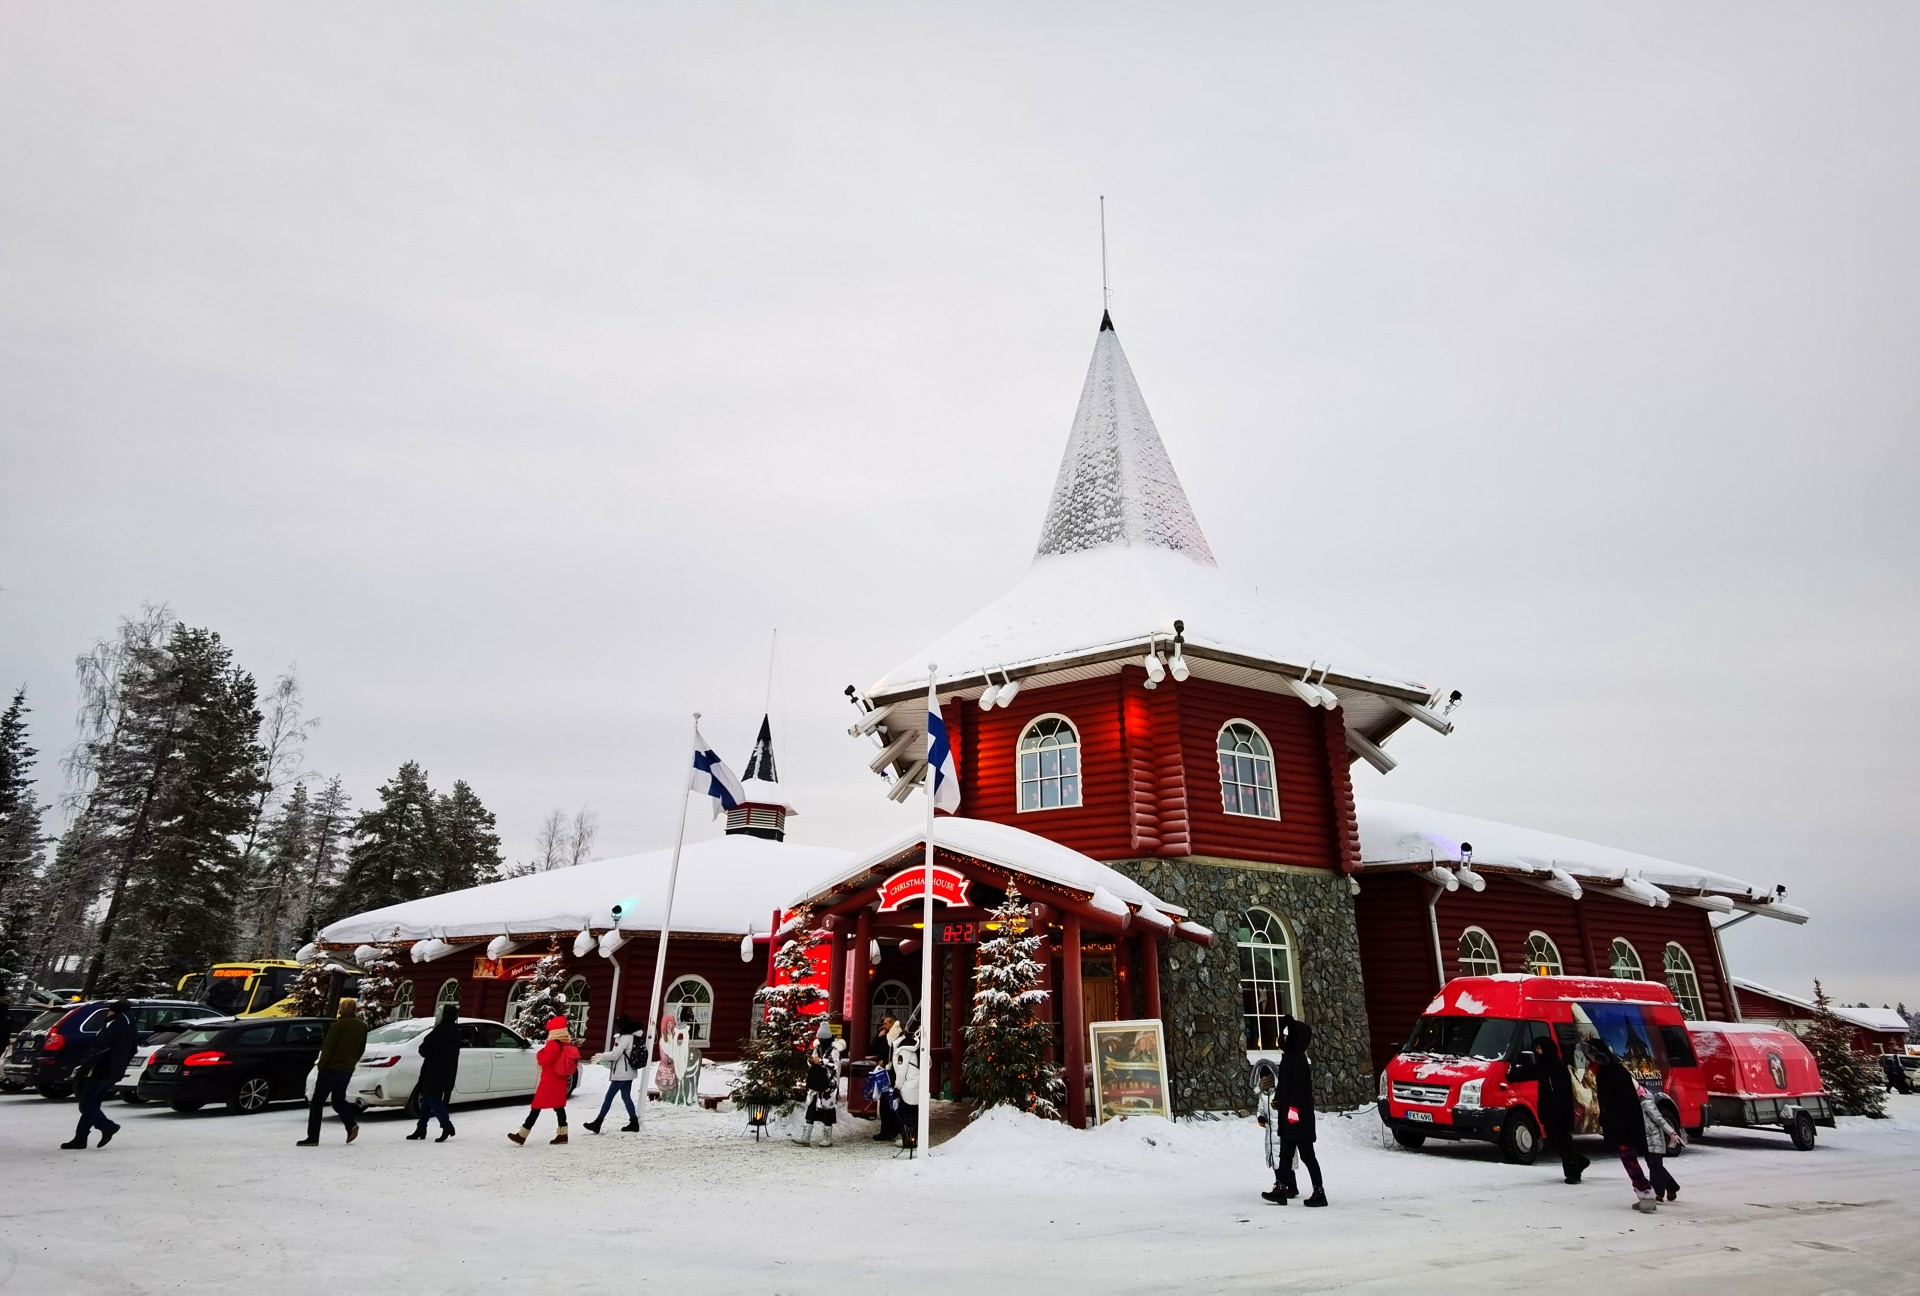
[(1129, 1068)]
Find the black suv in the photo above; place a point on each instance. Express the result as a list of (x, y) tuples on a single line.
[(245, 1064), (45, 1054)]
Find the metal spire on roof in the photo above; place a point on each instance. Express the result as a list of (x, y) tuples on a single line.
[(760, 763), (1116, 484)]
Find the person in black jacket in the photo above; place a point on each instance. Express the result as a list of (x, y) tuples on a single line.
[(1555, 1103), (1292, 1108), (106, 1061), (439, 1068), (882, 1050), (1622, 1121)]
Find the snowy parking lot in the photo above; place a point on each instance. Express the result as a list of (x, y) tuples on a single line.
[(212, 1202)]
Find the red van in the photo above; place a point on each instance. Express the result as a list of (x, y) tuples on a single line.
[(1465, 1073), (1760, 1076)]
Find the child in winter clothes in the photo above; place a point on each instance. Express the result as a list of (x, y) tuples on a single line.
[(558, 1060), (823, 1086), (1633, 1127), (623, 1061)]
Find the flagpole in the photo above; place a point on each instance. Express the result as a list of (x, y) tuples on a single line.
[(666, 922), (927, 947)]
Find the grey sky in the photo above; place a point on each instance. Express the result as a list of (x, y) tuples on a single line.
[(515, 370)]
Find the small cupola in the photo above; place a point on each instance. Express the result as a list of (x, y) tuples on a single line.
[(763, 811)]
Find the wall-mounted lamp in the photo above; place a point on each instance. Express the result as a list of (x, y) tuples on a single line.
[(1179, 663)]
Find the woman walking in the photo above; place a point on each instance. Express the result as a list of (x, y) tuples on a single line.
[(624, 1060), (1292, 1113), (1634, 1128), (558, 1060), (439, 1068)]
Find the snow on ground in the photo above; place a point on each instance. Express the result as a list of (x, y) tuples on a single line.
[(211, 1202)]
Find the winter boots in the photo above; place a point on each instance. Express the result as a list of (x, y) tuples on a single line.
[(804, 1139), (519, 1136), (632, 1126), (445, 1134), (593, 1126), (1319, 1198), (561, 1137), (417, 1134), (826, 1136)]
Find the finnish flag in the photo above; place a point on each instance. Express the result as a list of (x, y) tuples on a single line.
[(711, 776), (940, 764)]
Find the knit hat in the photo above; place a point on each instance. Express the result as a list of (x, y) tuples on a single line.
[(557, 1027), (825, 1032)]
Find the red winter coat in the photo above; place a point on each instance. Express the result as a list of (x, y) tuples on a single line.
[(554, 1056)]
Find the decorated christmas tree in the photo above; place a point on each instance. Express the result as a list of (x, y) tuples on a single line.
[(1854, 1084), (1007, 1039), (380, 986), (776, 1058), (546, 994)]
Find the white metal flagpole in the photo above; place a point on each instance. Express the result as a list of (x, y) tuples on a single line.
[(666, 921), (927, 947)]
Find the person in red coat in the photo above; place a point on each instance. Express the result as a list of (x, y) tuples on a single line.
[(558, 1060)]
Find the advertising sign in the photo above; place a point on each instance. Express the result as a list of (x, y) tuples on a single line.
[(949, 887), (1129, 1069), (511, 968)]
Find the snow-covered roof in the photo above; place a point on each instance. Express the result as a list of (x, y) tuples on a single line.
[(1009, 848), (1876, 1019), (728, 886), (1121, 558), (1393, 834)]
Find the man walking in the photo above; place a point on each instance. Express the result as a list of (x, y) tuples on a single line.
[(339, 1054), (112, 1049)]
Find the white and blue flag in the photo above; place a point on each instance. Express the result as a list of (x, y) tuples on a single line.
[(940, 763), (712, 777)]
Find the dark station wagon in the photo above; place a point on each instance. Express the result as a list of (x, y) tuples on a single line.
[(244, 1064), (44, 1055)]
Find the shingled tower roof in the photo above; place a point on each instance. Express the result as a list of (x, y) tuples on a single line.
[(1116, 484)]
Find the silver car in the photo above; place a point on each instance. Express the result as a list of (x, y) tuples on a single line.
[(495, 1063)]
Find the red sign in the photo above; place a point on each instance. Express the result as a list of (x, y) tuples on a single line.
[(511, 968), (949, 887)]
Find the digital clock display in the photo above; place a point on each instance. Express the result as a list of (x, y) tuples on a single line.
[(958, 933)]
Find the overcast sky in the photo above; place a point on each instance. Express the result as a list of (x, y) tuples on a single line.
[(515, 370)]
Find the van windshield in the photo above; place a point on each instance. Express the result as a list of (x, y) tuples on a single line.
[(1470, 1037)]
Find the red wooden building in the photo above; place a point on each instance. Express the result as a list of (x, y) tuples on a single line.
[(1875, 1030)]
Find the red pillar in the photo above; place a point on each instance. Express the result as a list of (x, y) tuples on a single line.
[(957, 1020), (1150, 971), (837, 975), (859, 1028), (1073, 1021)]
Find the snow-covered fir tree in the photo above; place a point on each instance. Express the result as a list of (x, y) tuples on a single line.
[(1007, 1038), (546, 994), (22, 840), (380, 985), (283, 863), (312, 987), (416, 843), (776, 1057), (331, 822), (1855, 1085)]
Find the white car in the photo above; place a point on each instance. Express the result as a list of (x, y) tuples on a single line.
[(128, 1090), (494, 1063)]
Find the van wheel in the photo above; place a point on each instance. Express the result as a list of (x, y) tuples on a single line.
[(1520, 1140), (187, 1105), (251, 1095), (1801, 1130), (1408, 1139)]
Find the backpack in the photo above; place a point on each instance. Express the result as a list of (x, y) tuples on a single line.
[(567, 1063), (637, 1052)]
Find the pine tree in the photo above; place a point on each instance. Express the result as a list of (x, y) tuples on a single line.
[(394, 856), (380, 985), (311, 987), (776, 1058), (22, 841), (1007, 1039), (1851, 1081), (469, 847), (177, 793), (546, 993), (285, 848), (331, 824)]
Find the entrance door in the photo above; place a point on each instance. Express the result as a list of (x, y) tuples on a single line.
[(1099, 994)]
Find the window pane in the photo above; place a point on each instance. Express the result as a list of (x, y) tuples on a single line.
[(1029, 796), (1049, 794), (1069, 791), (1069, 760), (1049, 764), (1030, 765)]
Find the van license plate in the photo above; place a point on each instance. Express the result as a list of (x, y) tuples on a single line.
[(1420, 1116)]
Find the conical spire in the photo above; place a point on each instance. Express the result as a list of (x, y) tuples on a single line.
[(760, 763), (1116, 485)]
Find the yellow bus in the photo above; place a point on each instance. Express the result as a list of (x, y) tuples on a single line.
[(256, 989)]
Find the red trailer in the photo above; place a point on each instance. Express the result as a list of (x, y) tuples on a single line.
[(1761, 1077)]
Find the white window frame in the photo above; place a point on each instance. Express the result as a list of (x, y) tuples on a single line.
[(702, 1029), (875, 1007), (1021, 781), (441, 999), (403, 1000), (579, 1010), (1684, 981), (1552, 947), (1282, 952), (1273, 786), (1461, 959), (1613, 960)]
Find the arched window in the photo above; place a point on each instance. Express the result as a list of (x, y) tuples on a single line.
[(517, 1001), (1266, 977), (576, 993), (1543, 956), (449, 994), (1246, 772), (1478, 956), (1049, 764), (690, 1000), (1684, 984), (891, 999), (1626, 961), (402, 1001)]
